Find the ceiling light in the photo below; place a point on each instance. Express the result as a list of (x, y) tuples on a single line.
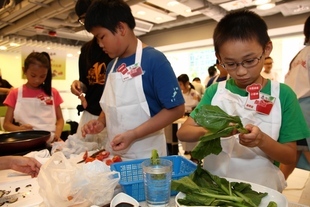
[(158, 18), (141, 12), (13, 44), (172, 3), (3, 48), (266, 6)]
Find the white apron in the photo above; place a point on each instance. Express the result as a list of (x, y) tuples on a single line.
[(240, 162), (35, 112), (125, 108)]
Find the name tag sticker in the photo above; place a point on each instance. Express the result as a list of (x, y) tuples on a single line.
[(260, 102)]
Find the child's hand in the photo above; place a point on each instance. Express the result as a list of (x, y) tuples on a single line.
[(254, 138), (26, 127), (92, 127), (76, 88), (122, 141), (83, 101)]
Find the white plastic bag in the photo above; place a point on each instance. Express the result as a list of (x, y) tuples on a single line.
[(63, 183)]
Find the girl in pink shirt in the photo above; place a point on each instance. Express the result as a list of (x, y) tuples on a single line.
[(35, 105)]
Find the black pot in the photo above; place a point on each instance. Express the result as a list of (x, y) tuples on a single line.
[(23, 141)]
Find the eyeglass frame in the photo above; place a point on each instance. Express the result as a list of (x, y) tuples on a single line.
[(242, 63)]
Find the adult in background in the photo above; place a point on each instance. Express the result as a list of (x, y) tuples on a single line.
[(199, 87), (92, 74), (220, 77), (5, 88), (212, 71), (267, 71), (298, 78)]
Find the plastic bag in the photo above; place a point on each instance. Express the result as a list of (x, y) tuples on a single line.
[(64, 183)]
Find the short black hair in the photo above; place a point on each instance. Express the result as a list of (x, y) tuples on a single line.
[(108, 14), (81, 7), (241, 25)]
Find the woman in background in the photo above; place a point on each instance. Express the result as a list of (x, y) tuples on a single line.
[(35, 105)]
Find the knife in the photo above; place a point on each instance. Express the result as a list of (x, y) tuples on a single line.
[(93, 155)]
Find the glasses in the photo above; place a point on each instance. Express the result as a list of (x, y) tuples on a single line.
[(81, 20), (246, 63)]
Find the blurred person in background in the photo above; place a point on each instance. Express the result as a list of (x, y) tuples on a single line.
[(92, 74), (199, 87), (212, 71), (298, 78), (220, 77), (5, 88), (192, 98), (267, 71)]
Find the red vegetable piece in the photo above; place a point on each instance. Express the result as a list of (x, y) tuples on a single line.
[(89, 159), (108, 162), (117, 158)]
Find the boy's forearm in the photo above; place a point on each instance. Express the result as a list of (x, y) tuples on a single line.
[(101, 118)]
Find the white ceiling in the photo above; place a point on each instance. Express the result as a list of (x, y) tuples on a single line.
[(41, 21)]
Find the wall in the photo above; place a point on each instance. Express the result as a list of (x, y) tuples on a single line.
[(11, 68)]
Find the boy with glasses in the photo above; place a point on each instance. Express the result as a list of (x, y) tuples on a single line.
[(269, 110)]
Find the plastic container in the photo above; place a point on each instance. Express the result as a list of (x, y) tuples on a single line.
[(131, 174)]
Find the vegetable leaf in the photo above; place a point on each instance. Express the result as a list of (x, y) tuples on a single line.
[(205, 189), (219, 124)]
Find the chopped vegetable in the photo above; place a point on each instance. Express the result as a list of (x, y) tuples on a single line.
[(219, 124)]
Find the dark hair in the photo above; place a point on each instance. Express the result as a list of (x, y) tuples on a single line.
[(307, 30), (44, 59), (81, 7), (196, 79), (211, 70), (241, 25), (183, 78), (108, 14)]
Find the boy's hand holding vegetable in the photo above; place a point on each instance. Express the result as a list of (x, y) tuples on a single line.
[(255, 137)]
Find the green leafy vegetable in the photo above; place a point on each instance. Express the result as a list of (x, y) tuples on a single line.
[(219, 124), (204, 189), (154, 157), (272, 204)]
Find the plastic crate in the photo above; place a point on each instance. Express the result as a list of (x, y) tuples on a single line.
[(131, 174)]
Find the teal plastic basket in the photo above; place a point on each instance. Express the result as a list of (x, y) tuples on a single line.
[(131, 174)]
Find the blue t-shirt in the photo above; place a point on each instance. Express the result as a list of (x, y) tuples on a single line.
[(160, 84)]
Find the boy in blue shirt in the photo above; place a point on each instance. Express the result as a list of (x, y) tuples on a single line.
[(141, 95)]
